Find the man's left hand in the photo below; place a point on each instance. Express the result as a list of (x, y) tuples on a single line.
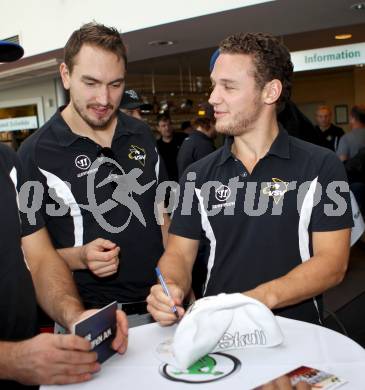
[(120, 342)]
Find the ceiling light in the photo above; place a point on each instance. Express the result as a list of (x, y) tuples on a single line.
[(343, 36), (161, 43), (358, 6)]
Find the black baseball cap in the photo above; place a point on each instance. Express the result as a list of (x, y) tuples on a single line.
[(10, 51), (130, 100)]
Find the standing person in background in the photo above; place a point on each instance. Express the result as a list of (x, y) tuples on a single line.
[(102, 246), (351, 150), (298, 125), (197, 145), (331, 133), (186, 127), (169, 144), (27, 358), (352, 142)]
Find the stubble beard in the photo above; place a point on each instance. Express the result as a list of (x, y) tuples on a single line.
[(240, 123), (95, 124)]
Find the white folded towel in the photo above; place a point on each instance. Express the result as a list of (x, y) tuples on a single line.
[(222, 322)]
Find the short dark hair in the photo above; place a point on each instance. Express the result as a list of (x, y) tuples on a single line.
[(203, 122), (163, 118), (185, 125), (270, 57), (107, 38), (358, 113)]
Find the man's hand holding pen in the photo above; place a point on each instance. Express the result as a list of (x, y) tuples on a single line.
[(165, 302)]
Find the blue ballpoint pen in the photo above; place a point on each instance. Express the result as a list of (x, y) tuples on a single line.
[(165, 289)]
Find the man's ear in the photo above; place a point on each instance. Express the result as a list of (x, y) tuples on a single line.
[(272, 91), (65, 76)]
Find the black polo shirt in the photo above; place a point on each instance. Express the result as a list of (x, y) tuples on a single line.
[(262, 229), (196, 146), (18, 311), (54, 155), (331, 136)]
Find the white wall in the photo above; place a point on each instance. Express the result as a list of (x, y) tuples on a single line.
[(43, 90), (45, 25)]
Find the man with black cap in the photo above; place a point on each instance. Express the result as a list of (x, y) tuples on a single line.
[(131, 104), (27, 358)]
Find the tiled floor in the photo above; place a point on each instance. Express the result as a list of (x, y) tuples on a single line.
[(347, 300)]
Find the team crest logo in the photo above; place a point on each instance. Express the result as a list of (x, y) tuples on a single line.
[(277, 188), (82, 162), (209, 368), (222, 193), (137, 153)]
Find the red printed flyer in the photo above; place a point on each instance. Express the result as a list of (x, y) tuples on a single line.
[(307, 377)]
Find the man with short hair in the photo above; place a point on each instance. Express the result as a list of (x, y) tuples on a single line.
[(266, 202), (168, 145), (352, 142), (186, 127), (331, 133), (197, 145), (27, 358), (100, 169), (351, 150)]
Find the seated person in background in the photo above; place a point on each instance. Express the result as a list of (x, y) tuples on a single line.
[(197, 145), (257, 199), (353, 141), (168, 145), (26, 358), (331, 133), (131, 104)]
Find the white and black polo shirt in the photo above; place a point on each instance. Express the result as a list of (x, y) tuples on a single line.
[(64, 164), (18, 310), (259, 225)]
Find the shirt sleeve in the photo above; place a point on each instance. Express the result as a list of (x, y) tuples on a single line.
[(343, 147), (332, 210), (162, 171), (186, 220), (355, 167), (32, 192), (160, 168)]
